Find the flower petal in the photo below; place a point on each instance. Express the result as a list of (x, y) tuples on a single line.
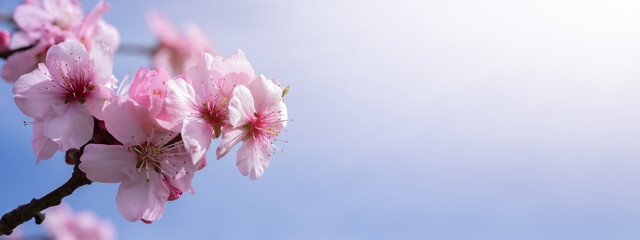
[(252, 159), (201, 79), (108, 163), (241, 108), (34, 93), (102, 56), (196, 135), (127, 121), (23, 62), (142, 197), (31, 17), (266, 94), (43, 147), (96, 100), (71, 127), (230, 137)]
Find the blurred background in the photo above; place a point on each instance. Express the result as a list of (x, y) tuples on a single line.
[(413, 120)]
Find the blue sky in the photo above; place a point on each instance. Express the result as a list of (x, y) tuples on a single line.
[(413, 120)]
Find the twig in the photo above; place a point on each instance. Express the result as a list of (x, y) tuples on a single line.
[(8, 53)]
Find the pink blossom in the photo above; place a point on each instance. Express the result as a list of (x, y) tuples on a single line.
[(62, 223), (151, 166), (257, 115), (177, 51), (64, 94), (47, 14), (48, 22), (162, 95), (213, 80)]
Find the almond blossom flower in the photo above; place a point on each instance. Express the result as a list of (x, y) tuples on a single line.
[(151, 165), (65, 93), (213, 80), (62, 223), (257, 114), (48, 22), (162, 95), (177, 51)]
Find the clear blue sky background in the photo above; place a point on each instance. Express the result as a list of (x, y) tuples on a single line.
[(413, 120)]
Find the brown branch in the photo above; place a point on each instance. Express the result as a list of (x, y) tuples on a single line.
[(6, 54), (32, 209)]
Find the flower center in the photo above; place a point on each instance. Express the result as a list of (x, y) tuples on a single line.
[(76, 84), (214, 113), (160, 157)]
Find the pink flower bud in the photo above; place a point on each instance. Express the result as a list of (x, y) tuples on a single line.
[(5, 38)]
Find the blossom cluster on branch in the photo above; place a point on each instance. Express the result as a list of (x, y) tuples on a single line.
[(159, 124)]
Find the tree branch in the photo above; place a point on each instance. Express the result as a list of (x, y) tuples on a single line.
[(32, 209), (6, 54)]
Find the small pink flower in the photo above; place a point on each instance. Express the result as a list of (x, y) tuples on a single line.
[(213, 80), (257, 114), (62, 223), (151, 166), (48, 22), (177, 51), (64, 94), (162, 95)]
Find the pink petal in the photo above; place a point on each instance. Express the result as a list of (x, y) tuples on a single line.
[(241, 109), (265, 93), (182, 180), (31, 17), (92, 18), (196, 135), (102, 56), (202, 81), (108, 163), (252, 159), (127, 121), (229, 81), (174, 192), (230, 137), (96, 99), (236, 62), (43, 147), (149, 88), (175, 105), (105, 33), (20, 39), (34, 94), (66, 13), (140, 198), (23, 62), (71, 128)]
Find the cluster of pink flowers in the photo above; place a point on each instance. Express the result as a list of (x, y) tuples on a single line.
[(160, 123), (63, 223), (45, 23)]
